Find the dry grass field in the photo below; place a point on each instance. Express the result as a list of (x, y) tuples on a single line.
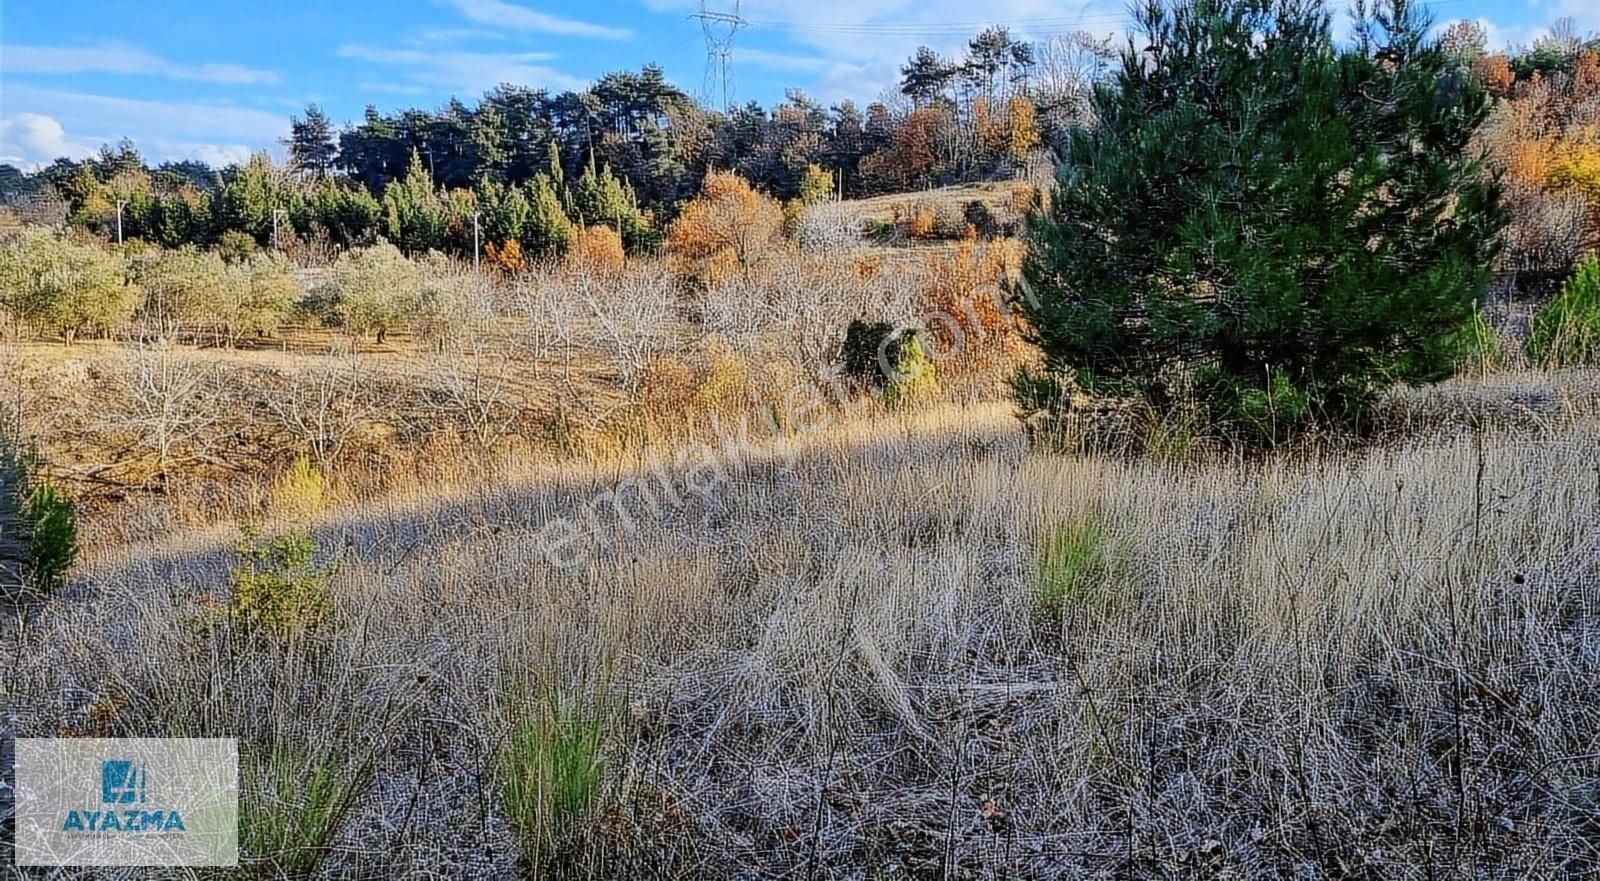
[(905, 645)]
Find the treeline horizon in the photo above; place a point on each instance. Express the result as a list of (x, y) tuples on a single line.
[(981, 116), (631, 149)]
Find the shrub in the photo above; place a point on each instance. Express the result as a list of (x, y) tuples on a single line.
[(921, 222), (550, 770), (374, 290), (236, 246), (38, 525), (728, 225), (876, 355), (506, 258), (1343, 264), (1022, 198), (48, 280), (1565, 332), (980, 218), (828, 228), (598, 249), (816, 186), (278, 589), (963, 305), (869, 351), (299, 492), (915, 379)]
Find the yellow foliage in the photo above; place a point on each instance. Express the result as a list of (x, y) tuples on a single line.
[(300, 491), (1575, 166), (921, 222), (1529, 162), (1024, 197), (725, 387), (963, 306), (1022, 128)]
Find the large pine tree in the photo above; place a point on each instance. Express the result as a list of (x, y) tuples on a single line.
[(1285, 224)]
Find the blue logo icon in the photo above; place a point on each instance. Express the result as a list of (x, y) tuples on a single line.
[(123, 783)]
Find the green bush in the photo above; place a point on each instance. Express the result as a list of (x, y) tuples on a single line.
[(1565, 332), (38, 525), (1284, 263), (876, 355), (236, 247), (277, 588)]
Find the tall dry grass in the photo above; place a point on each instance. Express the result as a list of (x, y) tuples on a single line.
[(839, 663)]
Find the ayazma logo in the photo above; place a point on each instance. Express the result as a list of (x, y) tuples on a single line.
[(122, 782)]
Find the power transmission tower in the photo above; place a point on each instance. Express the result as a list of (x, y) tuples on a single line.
[(719, 28)]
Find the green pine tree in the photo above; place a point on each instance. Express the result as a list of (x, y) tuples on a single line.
[(413, 214), (1284, 225)]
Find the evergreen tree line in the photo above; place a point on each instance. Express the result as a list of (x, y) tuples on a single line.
[(626, 153)]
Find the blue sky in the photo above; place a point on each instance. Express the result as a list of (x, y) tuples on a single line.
[(218, 79)]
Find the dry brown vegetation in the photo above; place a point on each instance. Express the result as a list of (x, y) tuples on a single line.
[(604, 579), (889, 646)]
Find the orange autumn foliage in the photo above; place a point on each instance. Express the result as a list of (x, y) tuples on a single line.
[(506, 258), (964, 305), (1494, 72), (597, 249), (729, 227)]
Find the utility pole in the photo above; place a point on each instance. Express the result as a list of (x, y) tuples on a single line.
[(275, 213), (475, 239), (120, 203)]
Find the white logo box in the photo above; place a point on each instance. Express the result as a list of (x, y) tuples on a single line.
[(127, 802)]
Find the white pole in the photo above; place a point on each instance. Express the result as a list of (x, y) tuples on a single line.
[(120, 203), (475, 239)]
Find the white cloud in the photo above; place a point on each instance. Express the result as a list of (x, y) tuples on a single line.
[(467, 72), (33, 139), (125, 59), (42, 124), (214, 155), (499, 13)]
